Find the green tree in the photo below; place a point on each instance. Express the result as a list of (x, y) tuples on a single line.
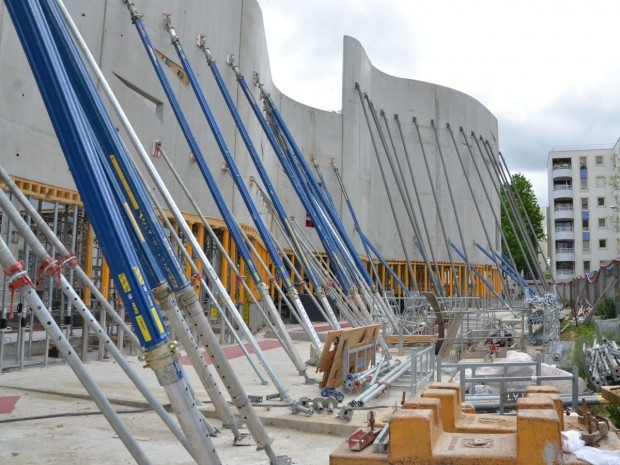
[(528, 207)]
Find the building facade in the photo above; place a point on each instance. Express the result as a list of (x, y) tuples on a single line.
[(583, 212)]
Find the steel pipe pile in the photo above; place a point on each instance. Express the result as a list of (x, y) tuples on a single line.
[(602, 362)]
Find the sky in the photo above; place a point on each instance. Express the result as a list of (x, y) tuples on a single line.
[(549, 70)]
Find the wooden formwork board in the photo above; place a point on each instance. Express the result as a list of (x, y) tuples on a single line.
[(331, 361)]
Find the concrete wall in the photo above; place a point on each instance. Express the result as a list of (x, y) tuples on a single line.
[(425, 101), (30, 149)]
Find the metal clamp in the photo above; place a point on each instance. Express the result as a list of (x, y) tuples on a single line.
[(345, 414), (298, 407), (160, 357)]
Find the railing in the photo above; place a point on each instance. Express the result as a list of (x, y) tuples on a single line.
[(561, 187), (501, 376), (566, 229), (565, 273), (558, 208), (565, 250), (564, 166)]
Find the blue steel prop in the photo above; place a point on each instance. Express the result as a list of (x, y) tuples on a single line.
[(389, 269), (324, 236), (316, 190), (323, 186), (159, 263), (80, 149), (510, 266), (343, 264), (81, 154), (196, 151), (238, 180), (350, 260), (477, 273), (187, 297), (324, 277), (262, 172), (365, 241), (277, 204), (164, 262), (506, 268), (210, 181)]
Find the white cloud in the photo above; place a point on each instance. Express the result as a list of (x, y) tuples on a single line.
[(547, 70)]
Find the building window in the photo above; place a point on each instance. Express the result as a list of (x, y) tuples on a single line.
[(602, 243), (586, 266), (602, 222), (584, 182), (600, 201), (584, 203), (600, 181), (599, 160), (586, 245), (585, 224), (583, 162)]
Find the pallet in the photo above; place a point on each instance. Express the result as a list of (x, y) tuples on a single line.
[(332, 357)]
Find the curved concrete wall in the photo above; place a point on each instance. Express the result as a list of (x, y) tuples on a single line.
[(30, 149), (425, 101)]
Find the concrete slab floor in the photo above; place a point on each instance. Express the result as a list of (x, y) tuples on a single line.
[(89, 439)]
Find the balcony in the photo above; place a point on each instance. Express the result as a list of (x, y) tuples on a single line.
[(563, 212), (563, 191), (562, 171), (565, 254), (564, 234), (564, 274)]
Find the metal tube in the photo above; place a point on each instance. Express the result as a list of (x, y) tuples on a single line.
[(68, 257), (471, 190), (454, 207), (239, 397), (519, 214), (498, 223), (383, 175), (435, 197), (397, 172), (259, 285), (195, 271), (504, 203), (18, 277), (435, 273)]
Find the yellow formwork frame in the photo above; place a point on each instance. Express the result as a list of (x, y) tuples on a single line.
[(42, 191)]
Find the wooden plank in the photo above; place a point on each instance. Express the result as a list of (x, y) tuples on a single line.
[(412, 339), (611, 394)]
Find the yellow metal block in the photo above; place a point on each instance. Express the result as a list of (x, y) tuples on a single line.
[(558, 405), (450, 387), (538, 437), (412, 435), (427, 403), (544, 389), (449, 410)]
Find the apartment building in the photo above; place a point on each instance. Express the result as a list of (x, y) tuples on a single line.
[(584, 203)]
